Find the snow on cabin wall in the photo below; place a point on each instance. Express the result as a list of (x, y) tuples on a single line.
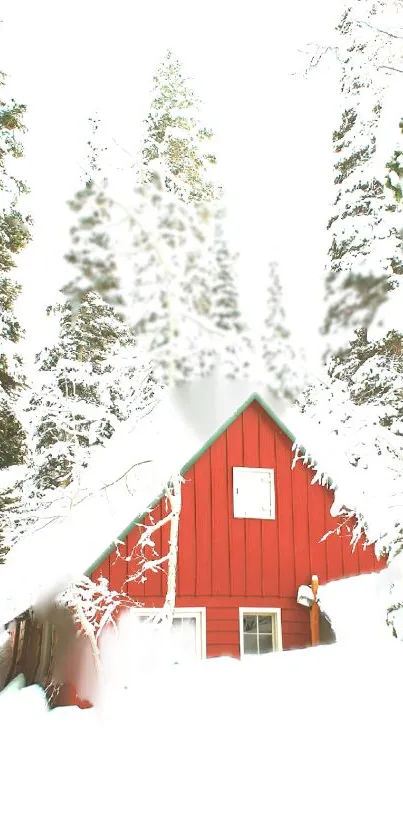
[(226, 563)]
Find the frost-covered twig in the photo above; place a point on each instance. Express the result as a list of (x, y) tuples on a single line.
[(173, 493)]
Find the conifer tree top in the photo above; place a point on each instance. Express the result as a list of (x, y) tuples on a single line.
[(175, 134)]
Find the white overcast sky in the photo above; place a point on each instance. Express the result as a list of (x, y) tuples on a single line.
[(273, 129)]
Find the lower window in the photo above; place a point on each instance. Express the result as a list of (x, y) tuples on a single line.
[(260, 631), (188, 632)]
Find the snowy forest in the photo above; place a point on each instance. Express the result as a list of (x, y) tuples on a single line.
[(154, 291), (154, 294)]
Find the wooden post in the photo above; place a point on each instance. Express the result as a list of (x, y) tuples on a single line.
[(314, 614)]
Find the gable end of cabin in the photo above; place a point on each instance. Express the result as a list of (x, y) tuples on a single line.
[(250, 534)]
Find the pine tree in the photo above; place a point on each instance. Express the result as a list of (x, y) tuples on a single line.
[(373, 374), (173, 230), (175, 134), (353, 439), (171, 294), (92, 252), (394, 167), (278, 357), (365, 256), (83, 386), (233, 348), (14, 236), (185, 301)]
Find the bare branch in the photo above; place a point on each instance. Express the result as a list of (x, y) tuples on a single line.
[(378, 29), (386, 67)]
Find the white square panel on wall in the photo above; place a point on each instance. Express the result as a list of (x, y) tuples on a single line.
[(254, 493)]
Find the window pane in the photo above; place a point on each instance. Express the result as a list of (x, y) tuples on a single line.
[(250, 622), (265, 624), (265, 643), (250, 644), (177, 621), (184, 639)]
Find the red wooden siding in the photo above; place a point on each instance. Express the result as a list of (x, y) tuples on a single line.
[(227, 563)]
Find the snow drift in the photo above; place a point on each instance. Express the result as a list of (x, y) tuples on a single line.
[(296, 743)]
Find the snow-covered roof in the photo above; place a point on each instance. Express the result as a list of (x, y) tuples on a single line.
[(123, 479)]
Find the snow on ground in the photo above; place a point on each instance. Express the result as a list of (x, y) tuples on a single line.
[(357, 606), (301, 743)]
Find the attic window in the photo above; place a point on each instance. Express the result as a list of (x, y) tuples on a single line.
[(254, 494)]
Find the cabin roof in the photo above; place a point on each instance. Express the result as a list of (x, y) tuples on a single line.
[(166, 442)]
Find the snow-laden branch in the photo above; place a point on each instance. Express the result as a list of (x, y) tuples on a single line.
[(346, 447), (173, 494)]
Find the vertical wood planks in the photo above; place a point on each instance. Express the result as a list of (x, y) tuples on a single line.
[(270, 551), (220, 518), (300, 520), (103, 570), (153, 583), (253, 528), (235, 457), (284, 515), (187, 538), (165, 535), (350, 558), (334, 555), (135, 588), (317, 529), (202, 470), (118, 569)]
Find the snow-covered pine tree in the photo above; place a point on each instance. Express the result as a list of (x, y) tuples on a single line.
[(365, 257), (176, 135), (14, 235), (173, 228), (373, 374), (92, 252), (172, 291), (347, 445), (83, 385), (233, 349), (394, 167), (279, 361)]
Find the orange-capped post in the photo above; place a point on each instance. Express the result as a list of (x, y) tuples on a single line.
[(314, 615)]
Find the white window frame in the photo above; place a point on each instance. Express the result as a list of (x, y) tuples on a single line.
[(198, 612), (238, 508), (277, 628)]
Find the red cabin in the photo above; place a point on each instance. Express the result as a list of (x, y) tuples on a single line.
[(251, 531)]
